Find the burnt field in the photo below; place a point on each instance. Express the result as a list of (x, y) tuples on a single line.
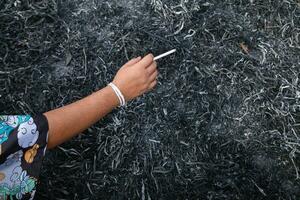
[(223, 122)]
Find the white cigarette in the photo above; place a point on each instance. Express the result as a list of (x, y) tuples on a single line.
[(164, 54)]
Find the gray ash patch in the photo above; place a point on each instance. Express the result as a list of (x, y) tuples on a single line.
[(61, 69)]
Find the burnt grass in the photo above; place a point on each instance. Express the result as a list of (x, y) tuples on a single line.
[(223, 122)]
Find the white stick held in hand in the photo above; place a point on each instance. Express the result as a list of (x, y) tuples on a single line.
[(165, 54)]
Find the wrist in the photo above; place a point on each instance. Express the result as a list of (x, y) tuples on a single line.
[(121, 90), (111, 96), (118, 94)]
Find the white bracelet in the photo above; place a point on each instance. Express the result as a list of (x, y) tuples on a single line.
[(119, 94), (120, 100)]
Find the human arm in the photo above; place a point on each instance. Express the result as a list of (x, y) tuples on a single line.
[(133, 79)]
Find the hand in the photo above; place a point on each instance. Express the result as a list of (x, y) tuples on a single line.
[(137, 77)]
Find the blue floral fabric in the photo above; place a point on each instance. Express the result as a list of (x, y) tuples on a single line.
[(23, 143)]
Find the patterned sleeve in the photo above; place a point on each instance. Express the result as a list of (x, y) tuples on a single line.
[(23, 143)]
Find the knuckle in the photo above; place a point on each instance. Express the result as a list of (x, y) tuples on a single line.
[(144, 80), (154, 75), (152, 67), (146, 87), (151, 56)]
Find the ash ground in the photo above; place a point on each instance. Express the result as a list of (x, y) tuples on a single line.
[(223, 122)]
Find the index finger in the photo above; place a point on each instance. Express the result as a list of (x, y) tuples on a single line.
[(146, 61)]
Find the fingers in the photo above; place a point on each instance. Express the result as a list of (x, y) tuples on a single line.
[(152, 68), (153, 76), (133, 61), (152, 85), (146, 61)]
